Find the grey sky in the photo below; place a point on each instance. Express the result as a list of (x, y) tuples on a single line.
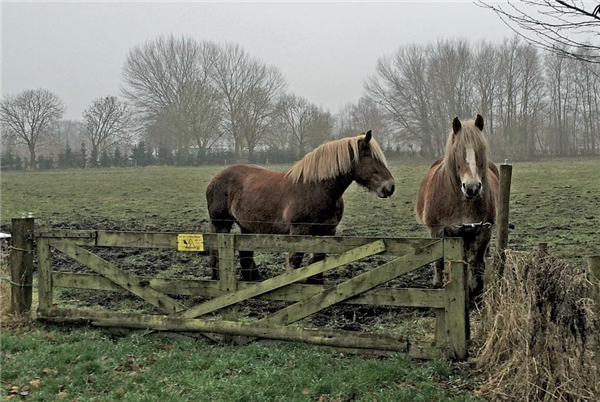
[(325, 50)]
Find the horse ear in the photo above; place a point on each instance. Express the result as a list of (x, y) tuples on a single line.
[(456, 126), (368, 137), (479, 122)]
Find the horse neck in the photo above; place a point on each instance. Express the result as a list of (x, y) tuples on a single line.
[(334, 187)]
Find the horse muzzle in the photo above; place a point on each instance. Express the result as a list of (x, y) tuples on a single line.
[(387, 189), (472, 189)]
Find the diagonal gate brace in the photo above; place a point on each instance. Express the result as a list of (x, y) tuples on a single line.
[(357, 285), (284, 279), (114, 274)]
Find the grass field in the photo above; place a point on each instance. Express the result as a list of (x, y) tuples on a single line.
[(557, 202)]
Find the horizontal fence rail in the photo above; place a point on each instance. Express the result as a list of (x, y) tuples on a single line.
[(243, 242)]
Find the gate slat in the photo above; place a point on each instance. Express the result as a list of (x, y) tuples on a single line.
[(356, 285), (114, 274), (339, 338), (285, 279)]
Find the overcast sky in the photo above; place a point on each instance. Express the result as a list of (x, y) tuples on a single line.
[(325, 50)]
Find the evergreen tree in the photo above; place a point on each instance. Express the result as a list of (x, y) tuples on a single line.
[(69, 157), (93, 162), (139, 154), (118, 159), (8, 160), (105, 160), (82, 157), (60, 162), (165, 155), (18, 163), (45, 162)]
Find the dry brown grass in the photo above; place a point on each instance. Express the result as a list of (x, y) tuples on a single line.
[(4, 286), (8, 320), (538, 332)]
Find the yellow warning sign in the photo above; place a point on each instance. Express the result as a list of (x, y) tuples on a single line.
[(190, 242)]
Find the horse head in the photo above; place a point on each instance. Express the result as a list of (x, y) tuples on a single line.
[(370, 169)]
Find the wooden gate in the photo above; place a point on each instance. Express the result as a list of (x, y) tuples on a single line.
[(450, 303)]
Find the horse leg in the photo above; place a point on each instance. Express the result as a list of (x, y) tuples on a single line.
[(477, 265), (250, 271), (294, 260), (220, 227), (438, 266), (318, 278)]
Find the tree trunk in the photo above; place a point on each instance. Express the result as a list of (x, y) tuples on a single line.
[(251, 153), (32, 158)]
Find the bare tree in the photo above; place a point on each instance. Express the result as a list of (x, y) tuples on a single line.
[(345, 124), (401, 87), (564, 27), (250, 91), (485, 81), (306, 123), (196, 118), (168, 81), (107, 121), (29, 117)]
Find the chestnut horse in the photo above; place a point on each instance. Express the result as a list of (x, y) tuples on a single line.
[(307, 200), (458, 196)]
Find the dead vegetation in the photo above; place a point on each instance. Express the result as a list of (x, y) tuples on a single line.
[(538, 332), (7, 319)]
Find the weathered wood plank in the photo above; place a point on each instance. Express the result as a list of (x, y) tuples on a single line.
[(136, 239), (113, 273), (355, 286), (503, 213), (227, 276), (425, 350), (264, 243), (338, 338), (326, 244), (395, 297), (44, 275), (77, 236), (457, 315), (21, 265), (440, 326), (287, 278)]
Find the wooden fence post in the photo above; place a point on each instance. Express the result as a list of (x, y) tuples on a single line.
[(44, 276), (457, 299), (594, 277), (503, 213), (21, 263), (227, 275)]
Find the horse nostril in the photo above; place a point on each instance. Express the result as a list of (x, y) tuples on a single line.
[(392, 189), (479, 186), (464, 186)]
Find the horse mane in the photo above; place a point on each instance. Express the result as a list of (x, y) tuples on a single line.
[(456, 148), (331, 159)]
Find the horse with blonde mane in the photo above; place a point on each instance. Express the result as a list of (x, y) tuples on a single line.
[(306, 200), (457, 198)]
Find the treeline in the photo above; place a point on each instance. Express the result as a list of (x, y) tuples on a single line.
[(534, 103), (187, 102), (140, 155)]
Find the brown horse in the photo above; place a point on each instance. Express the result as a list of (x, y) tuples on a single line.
[(307, 200), (457, 198)]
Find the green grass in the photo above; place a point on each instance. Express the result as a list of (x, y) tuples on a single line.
[(92, 365), (557, 202), (554, 201)]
